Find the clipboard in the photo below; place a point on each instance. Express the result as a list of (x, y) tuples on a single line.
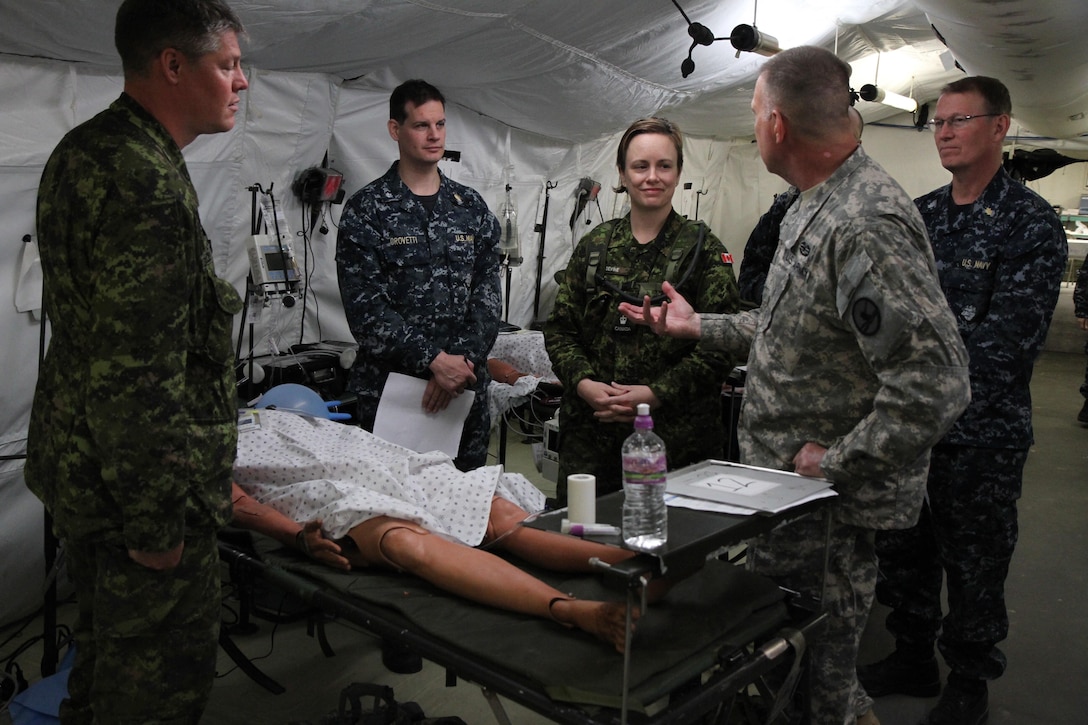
[(761, 489)]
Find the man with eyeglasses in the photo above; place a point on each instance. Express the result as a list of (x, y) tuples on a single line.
[(1001, 253)]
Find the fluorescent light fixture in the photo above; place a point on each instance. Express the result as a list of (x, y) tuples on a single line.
[(744, 38), (869, 92), (748, 38)]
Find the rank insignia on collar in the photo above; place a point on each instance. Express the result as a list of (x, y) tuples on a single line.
[(988, 211)]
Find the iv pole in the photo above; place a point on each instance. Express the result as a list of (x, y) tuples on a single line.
[(509, 245), (51, 546), (541, 229)]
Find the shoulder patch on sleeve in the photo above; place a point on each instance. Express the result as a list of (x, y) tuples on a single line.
[(865, 314)]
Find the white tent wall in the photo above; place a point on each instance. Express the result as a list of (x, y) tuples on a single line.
[(289, 121), (39, 102)]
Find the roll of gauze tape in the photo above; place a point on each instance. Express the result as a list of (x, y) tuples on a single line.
[(582, 498)]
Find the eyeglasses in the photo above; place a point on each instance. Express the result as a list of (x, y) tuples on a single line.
[(956, 122)]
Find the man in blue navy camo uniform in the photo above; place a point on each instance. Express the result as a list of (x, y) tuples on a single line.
[(1001, 253), (418, 260), (1080, 309)]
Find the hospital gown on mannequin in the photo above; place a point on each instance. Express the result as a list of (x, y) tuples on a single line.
[(373, 492), (311, 468)]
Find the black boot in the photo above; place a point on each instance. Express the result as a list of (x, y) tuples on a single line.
[(964, 702), (913, 674)]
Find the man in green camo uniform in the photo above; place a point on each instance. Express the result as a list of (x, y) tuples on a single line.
[(588, 338), (133, 429)]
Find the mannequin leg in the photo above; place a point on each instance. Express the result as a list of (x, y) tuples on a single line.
[(556, 552), (546, 549), (483, 577)]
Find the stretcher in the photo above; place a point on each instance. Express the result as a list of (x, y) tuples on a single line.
[(697, 655)]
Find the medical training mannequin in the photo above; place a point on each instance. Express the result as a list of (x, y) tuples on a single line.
[(368, 502), (249, 513)]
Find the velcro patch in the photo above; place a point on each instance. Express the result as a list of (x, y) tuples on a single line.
[(866, 316)]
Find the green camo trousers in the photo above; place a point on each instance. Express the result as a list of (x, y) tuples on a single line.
[(146, 640)]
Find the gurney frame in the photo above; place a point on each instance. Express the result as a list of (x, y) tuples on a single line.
[(735, 671)]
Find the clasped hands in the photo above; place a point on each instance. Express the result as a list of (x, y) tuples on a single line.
[(450, 376), (615, 402)]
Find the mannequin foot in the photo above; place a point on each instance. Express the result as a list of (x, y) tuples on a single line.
[(607, 621)]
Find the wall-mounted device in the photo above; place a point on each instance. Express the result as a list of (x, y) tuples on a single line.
[(319, 185), (549, 463), (586, 192)]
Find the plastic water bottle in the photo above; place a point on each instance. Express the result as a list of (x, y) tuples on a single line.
[(645, 515)]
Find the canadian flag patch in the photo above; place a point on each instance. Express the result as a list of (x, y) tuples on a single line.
[(727, 258)]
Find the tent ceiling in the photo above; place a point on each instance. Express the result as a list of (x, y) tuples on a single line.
[(575, 70)]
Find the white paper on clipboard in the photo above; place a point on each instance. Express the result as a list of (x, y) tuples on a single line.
[(750, 487), (401, 419)]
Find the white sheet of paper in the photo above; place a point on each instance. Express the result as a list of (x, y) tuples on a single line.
[(402, 420), (699, 504), (750, 487)]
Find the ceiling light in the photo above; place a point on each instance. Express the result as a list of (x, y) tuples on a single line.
[(748, 38), (869, 92), (744, 38)]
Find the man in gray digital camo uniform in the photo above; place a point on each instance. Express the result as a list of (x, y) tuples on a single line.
[(417, 255), (1001, 254), (133, 429), (854, 365)]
